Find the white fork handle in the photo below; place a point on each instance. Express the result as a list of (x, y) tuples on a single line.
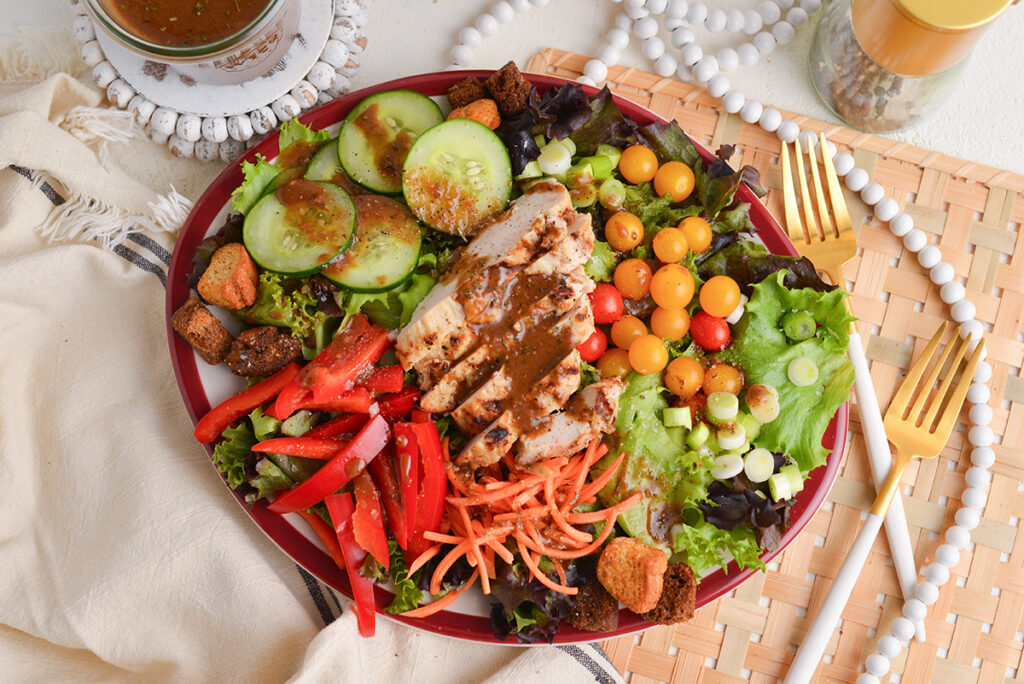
[(809, 655), (880, 459)]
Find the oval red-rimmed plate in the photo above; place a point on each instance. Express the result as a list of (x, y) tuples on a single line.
[(197, 380)]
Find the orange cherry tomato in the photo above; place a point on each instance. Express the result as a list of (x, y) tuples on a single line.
[(638, 163), (614, 363), (648, 355), (670, 245), (624, 231), (675, 179), (627, 330), (721, 377), (670, 324), (698, 233), (719, 296), (684, 376), (672, 286), (633, 278)]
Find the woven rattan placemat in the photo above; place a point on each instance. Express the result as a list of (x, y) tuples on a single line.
[(976, 629)]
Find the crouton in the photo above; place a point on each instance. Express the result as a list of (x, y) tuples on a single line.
[(465, 91), (231, 278), (482, 111), (259, 352), (678, 596), (632, 572), (595, 610), (202, 330), (509, 89)]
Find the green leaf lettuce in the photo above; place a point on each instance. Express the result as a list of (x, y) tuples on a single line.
[(257, 177)]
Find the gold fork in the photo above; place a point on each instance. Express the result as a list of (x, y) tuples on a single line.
[(829, 246), (919, 429)]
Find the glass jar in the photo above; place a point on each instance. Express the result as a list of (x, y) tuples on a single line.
[(880, 64), (245, 53)]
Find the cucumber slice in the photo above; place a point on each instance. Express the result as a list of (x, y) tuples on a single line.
[(384, 251), (324, 166), (376, 136), (300, 227), (289, 174), (457, 175)]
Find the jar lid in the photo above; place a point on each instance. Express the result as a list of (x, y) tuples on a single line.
[(954, 15)]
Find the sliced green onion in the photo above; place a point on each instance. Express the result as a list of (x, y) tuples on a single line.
[(580, 174), (722, 406), (531, 170), (698, 436), (611, 193), (726, 466), (568, 144), (758, 465), (677, 416), (554, 159), (799, 325), (610, 151), (763, 402), (583, 196), (778, 487), (749, 423), (600, 164), (796, 478), (802, 371), (731, 436)]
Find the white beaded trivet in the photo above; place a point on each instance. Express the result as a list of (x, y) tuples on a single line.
[(774, 23), (212, 122)]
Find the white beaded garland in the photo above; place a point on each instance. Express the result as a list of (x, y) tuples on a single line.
[(239, 127), (889, 646), (586, 81), (181, 147), (807, 139), (461, 55), (715, 21), (752, 22), (787, 131), (207, 150), (886, 209), (706, 68), (637, 12), (215, 130), (230, 150), (645, 28), (751, 111), (844, 163), (733, 101), (857, 179), (734, 20), (189, 128), (926, 592), (286, 107), (770, 12), (681, 37), (677, 8), (335, 53), (502, 11), (915, 240), (103, 73), (937, 572), (958, 537), (141, 109), (902, 628), (967, 518), (624, 22), (947, 555), (783, 32), (728, 59), (901, 224), (691, 54), (980, 435), (748, 54), (305, 94), (697, 13), (520, 5), (971, 329), (469, 36), (942, 273), (977, 477), (785, 4), (872, 193), (963, 310), (978, 394), (980, 415), (718, 85), (321, 75), (263, 120), (595, 70), (983, 373), (156, 136), (486, 24), (952, 292), (656, 6), (914, 610), (92, 53), (811, 6), (654, 47), (929, 256), (120, 93), (764, 42), (796, 16), (876, 664), (609, 54), (974, 497), (617, 38), (771, 119), (868, 678), (666, 65)]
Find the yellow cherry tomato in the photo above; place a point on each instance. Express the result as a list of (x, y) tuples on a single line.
[(624, 231), (672, 286), (674, 178), (670, 245), (697, 231), (632, 278), (670, 324), (720, 296), (626, 330), (648, 355), (721, 377), (684, 376), (614, 363), (638, 163)]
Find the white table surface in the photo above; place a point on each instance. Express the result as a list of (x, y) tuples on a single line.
[(979, 122)]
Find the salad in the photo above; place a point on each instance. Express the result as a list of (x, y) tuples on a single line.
[(525, 345)]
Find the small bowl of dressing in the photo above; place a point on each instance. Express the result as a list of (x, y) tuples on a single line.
[(221, 42)]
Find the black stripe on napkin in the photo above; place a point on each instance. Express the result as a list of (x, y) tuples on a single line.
[(45, 188), (317, 594), (142, 263), (600, 652), (152, 245), (595, 669)]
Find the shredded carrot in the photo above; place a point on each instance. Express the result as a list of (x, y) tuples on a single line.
[(474, 547), (422, 559), (447, 562), (540, 576), (583, 518), (442, 603), (603, 479)]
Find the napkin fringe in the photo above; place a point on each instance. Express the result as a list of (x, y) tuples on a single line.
[(37, 53)]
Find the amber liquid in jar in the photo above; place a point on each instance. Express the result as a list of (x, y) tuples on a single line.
[(184, 23)]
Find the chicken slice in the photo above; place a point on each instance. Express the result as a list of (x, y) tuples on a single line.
[(588, 415), (569, 245)]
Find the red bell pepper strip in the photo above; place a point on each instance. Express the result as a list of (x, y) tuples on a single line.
[(368, 520), (337, 472), (383, 379), (341, 508), (407, 458), (348, 356), (224, 414), (385, 476), (306, 447), (400, 404), (326, 535), (433, 486), (355, 400), (288, 400), (421, 416), (339, 425)]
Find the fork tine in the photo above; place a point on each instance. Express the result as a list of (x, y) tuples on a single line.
[(835, 191), (956, 401), (906, 390), (918, 408), (819, 196), (933, 410), (793, 224), (813, 231)]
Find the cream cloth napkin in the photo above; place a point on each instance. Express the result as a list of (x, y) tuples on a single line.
[(122, 555)]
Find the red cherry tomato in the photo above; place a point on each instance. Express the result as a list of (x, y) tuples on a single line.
[(592, 348), (710, 332), (606, 302)]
